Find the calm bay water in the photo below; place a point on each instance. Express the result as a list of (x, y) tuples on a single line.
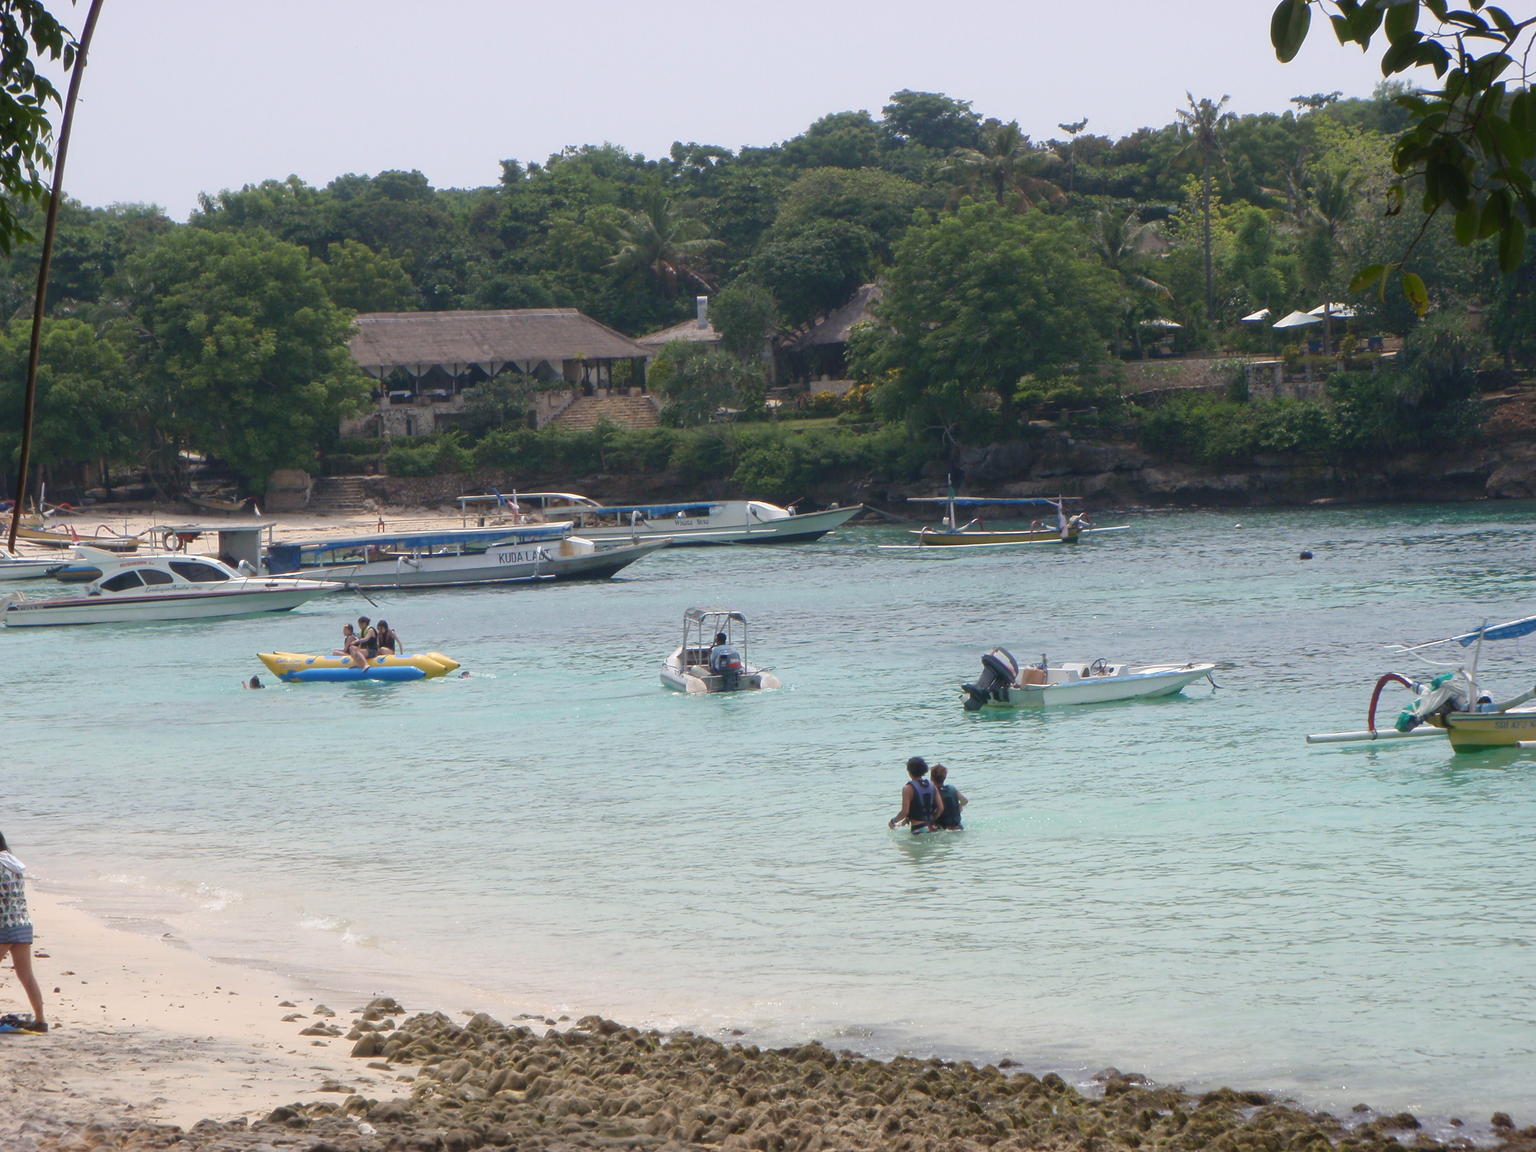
[(1178, 887)]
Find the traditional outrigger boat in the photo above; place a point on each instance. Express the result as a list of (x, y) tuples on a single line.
[(1453, 704), (1059, 528), (300, 668), (1003, 683), (691, 667)]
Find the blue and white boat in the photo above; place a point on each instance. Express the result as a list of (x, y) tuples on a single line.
[(686, 522), (437, 559)]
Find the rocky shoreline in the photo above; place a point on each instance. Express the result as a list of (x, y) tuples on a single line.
[(600, 1085)]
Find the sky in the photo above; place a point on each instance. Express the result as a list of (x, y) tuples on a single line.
[(182, 97)]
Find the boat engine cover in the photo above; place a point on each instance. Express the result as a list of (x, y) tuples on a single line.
[(998, 671)]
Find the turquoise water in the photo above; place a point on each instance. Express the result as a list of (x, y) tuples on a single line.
[(1179, 887)]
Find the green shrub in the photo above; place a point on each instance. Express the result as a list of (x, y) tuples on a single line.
[(428, 455)]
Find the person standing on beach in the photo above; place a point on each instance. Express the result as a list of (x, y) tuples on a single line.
[(951, 800), (16, 935), (921, 803)]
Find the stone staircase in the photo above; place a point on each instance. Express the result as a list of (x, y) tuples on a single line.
[(338, 494), (587, 412)]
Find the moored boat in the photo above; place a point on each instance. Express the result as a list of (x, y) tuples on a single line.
[(157, 587), (300, 667), (713, 656), (1055, 526), (452, 557), (17, 566), (1453, 704), (1003, 683), (684, 523)]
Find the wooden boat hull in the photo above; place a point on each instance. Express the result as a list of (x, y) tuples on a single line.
[(1472, 730), (940, 538)]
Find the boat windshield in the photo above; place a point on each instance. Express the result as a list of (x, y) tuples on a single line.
[(197, 572)]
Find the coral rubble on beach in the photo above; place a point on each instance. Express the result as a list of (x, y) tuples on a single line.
[(600, 1085)]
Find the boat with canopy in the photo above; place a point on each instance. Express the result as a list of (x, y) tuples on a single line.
[(1054, 526), (1452, 703), (457, 556), (685, 522)]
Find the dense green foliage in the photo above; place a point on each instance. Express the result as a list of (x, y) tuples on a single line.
[(774, 462), (1427, 401), (1016, 273)]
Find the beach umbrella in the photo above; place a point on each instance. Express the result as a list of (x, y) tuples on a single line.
[(1342, 311), (1255, 317), (1296, 320), (1166, 325)]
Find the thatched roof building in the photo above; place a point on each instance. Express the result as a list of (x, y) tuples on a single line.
[(545, 342)]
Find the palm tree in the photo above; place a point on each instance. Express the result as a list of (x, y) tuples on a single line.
[(667, 245), (1120, 242), (1202, 124), (1001, 166), (1072, 130)]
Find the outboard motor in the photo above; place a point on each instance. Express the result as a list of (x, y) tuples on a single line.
[(999, 670), (1448, 692), (729, 671)]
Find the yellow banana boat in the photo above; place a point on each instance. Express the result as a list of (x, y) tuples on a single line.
[(299, 667)]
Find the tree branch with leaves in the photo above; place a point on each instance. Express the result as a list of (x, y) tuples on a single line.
[(1472, 140)]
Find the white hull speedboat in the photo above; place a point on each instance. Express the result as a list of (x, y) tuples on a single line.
[(16, 566), (142, 588), (684, 523), (458, 557), (1003, 684), (694, 667)]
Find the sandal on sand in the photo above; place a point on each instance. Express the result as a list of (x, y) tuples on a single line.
[(20, 1022)]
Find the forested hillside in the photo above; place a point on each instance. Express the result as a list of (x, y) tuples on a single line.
[(1018, 277)]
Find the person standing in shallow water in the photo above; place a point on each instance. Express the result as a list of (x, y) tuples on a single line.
[(951, 798), (16, 934), (921, 804)]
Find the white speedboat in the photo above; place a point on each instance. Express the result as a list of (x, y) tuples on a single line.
[(700, 665), (684, 523), (16, 566), (1004, 684), (506, 555), (162, 586)]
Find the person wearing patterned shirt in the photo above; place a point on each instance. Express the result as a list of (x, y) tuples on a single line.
[(16, 938)]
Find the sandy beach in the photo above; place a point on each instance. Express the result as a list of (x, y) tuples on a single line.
[(154, 1046)]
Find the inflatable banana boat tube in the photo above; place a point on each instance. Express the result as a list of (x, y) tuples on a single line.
[(297, 667)]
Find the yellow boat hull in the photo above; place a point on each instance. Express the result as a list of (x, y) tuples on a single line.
[(1487, 729)]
